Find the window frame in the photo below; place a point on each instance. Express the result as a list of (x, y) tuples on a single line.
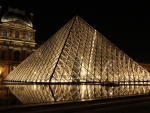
[(17, 34), (28, 36), (4, 33)]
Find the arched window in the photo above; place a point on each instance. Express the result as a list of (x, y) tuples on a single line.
[(28, 36), (16, 56), (4, 32), (17, 34)]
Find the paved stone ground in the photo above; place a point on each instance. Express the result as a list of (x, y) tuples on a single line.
[(132, 104), (143, 107)]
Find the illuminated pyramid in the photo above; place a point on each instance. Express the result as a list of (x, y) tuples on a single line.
[(78, 53)]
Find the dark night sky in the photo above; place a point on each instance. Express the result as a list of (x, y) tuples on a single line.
[(126, 23)]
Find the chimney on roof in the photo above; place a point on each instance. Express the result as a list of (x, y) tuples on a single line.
[(31, 17)]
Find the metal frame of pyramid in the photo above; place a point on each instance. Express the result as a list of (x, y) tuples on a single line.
[(78, 53)]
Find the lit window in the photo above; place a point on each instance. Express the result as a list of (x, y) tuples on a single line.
[(17, 34), (28, 36), (4, 32)]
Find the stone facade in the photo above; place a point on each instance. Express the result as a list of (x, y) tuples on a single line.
[(17, 40)]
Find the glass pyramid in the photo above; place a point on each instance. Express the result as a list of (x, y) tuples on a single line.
[(78, 53)]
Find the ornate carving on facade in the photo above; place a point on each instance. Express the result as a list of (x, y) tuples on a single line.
[(18, 24), (16, 10), (15, 42)]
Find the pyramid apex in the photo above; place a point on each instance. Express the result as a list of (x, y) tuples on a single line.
[(77, 16)]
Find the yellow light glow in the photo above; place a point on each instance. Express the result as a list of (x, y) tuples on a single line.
[(34, 87)]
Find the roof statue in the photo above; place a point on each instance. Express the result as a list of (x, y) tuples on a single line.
[(16, 11), (78, 53)]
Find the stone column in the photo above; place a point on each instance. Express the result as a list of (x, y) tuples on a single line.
[(23, 53), (10, 51)]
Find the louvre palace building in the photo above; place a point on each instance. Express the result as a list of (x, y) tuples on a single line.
[(17, 39)]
